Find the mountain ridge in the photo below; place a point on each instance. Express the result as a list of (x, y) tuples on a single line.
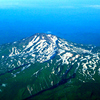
[(49, 61)]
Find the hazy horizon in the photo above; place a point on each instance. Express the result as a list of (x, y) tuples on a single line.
[(76, 21)]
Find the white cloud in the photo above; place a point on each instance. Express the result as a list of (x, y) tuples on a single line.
[(25, 5), (81, 6), (93, 6), (5, 4), (9, 5), (32, 5)]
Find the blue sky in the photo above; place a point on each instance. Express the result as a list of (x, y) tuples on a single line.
[(4, 4), (70, 19)]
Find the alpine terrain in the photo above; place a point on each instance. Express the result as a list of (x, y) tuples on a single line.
[(46, 67)]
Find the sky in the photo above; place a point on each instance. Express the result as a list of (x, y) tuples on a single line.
[(74, 20), (51, 3)]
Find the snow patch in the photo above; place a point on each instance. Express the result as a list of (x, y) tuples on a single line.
[(2, 57), (4, 85)]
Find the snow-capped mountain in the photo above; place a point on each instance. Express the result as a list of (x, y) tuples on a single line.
[(43, 62)]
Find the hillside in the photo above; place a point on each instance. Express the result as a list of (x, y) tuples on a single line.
[(48, 67)]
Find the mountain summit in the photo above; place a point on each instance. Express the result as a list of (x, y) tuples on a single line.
[(44, 62)]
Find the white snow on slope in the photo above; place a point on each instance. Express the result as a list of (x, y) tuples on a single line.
[(41, 49)]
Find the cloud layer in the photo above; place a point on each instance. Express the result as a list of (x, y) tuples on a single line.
[(93, 6), (42, 4)]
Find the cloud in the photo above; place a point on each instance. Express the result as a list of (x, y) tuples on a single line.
[(81, 6), (48, 32), (93, 6), (9, 5), (26, 5), (33, 5), (36, 4)]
